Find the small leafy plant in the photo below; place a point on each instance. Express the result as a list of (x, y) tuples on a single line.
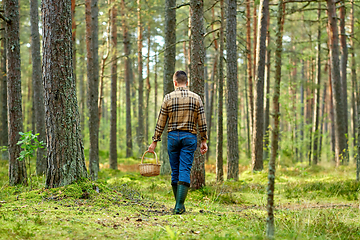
[(29, 143)]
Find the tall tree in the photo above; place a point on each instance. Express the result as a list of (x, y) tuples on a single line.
[(343, 72), (65, 151), (258, 131), (249, 63), (82, 89), (148, 87), (17, 169), (4, 115), (232, 91), (220, 127), (316, 116), (91, 14), (141, 128), (127, 47), (38, 88), (270, 231), (267, 94), (339, 110), (169, 69), (113, 131), (197, 82), (354, 93)]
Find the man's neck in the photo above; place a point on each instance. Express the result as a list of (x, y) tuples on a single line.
[(182, 86)]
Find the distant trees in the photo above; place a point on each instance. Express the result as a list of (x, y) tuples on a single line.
[(65, 151), (38, 89)]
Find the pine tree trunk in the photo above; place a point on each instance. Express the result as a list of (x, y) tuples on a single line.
[(73, 38), (141, 129), (113, 130), (322, 122), (17, 169), (148, 88), (317, 93), (354, 86), (38, 88), (155, 87), (270, 232), (249, 64), (232, 91), (220, 126), (197, 175), (82, 89), (91, 14), (339, 108), (267, 94), (4, 140), (169, 69), (127, 63), (65, 151), (343, 73), (258, 131)]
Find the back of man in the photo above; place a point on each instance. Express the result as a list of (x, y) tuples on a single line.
[(184, 112)]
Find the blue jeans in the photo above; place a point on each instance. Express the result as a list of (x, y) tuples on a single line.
[(181, 149)]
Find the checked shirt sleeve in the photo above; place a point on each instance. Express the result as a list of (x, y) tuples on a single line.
[(161, 122), (202, 121)]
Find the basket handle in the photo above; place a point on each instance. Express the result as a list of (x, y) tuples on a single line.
[(157, 160)]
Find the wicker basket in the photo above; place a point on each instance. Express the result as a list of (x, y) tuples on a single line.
[(149, 169)]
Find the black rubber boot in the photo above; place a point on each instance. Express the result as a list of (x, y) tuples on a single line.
[(182, 190), (174, 188)]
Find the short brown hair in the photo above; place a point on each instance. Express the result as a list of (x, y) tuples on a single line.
[(180, 77)]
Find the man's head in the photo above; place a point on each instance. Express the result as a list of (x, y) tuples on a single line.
[(180, 78)]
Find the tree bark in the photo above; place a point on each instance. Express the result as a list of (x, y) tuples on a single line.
[(17, 169), (267, 94), (91, 14), (249, 63), (113, 131), (148, 87), (343, 62), (258, 131), (315, 129), (65, 151), (73, 37), (270, 232), (82, 89), (322, 122), (141, 129), (127, 63), (4, 115), (169, 69), (220, 126), (339, 108), (354, 93), (38, 88), (232, 91), (197, 175)]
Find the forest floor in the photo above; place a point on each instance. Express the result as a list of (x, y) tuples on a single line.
[(311, 203)]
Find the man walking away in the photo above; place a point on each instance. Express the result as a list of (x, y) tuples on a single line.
[(184, 112)]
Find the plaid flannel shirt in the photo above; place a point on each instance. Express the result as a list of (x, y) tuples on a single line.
[(183, 110)]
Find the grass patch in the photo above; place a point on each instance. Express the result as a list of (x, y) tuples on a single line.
[(311, 203)]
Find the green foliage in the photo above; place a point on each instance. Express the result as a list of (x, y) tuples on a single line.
[(29, 143)]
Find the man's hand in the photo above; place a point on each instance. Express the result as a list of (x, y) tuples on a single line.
[(203, 147), (152, 147)]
